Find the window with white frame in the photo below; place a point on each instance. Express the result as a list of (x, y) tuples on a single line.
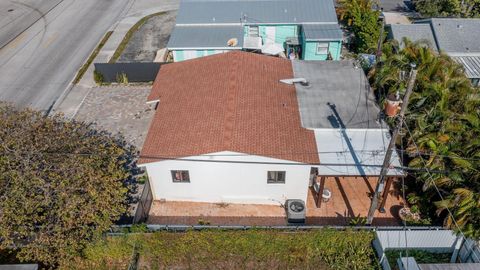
[(180, 176), (276, 177), (322, 48)]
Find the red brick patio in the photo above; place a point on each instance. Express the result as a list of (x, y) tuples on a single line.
[(350, 197)]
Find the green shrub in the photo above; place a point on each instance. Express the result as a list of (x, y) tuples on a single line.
[(358, 221), (122, 78), (98, 77), (142, 179)]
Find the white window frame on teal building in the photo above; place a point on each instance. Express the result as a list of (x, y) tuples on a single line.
[(322, 48)]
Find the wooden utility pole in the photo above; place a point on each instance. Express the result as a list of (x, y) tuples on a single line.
[(378, 54), (391, 147)]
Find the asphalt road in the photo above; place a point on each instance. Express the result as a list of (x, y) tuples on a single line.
[(38, 65), (17, 15)]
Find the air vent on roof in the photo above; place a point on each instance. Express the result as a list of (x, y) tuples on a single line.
[(459, 26), (302, 81)]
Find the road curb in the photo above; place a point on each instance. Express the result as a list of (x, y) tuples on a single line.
[(103, 53)]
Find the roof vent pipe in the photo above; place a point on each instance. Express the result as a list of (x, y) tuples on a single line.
[(302, 81)]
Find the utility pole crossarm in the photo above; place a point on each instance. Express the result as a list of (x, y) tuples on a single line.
[(391, 147)]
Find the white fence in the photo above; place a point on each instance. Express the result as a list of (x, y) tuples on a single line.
[(441, 241)]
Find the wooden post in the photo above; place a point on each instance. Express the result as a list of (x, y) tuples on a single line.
[(388, 155), (385, 194), (320, 191)]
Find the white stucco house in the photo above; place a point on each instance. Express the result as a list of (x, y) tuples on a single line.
[(226, 129)]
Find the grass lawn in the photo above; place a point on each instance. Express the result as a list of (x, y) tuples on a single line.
[(253, 249)]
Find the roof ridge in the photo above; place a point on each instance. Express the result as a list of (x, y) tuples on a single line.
[(229, 119)]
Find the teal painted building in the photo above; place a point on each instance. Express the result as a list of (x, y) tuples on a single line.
[(306, 42), (297, 29)]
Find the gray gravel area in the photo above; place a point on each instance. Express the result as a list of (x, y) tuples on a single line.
[(150, 38), (119, 109)]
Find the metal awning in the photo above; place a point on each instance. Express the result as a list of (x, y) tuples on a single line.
[(292, 41), (361, 150)]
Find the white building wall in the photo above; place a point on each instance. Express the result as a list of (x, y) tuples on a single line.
[(182, 55), (228, 182)]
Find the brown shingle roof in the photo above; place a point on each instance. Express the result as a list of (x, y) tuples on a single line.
[(227, 102)]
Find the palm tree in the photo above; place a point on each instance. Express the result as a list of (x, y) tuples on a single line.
[(443, 117)]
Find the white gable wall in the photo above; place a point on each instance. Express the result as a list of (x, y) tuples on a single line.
[(229, 182)]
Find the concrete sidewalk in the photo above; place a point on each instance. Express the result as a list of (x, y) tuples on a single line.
[(73, 97)]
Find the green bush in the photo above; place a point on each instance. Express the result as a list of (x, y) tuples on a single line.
[(358, 221), (98, 77), (122, 78)]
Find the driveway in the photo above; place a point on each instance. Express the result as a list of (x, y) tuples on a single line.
[(119, 110)]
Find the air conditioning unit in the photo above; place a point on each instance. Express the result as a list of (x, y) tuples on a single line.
[(295, 211)]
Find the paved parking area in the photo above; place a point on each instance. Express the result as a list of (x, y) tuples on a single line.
[(119, 109), (150, 38)]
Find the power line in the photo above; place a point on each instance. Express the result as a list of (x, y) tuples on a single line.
[(373, 152), (436, 188), (293, 163)]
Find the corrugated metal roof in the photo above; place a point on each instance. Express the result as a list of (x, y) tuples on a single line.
[(353, 146), (256, 11), (338, 83), (471, 65), (211, 37), (414, 32), (456, 35), (318, 32)]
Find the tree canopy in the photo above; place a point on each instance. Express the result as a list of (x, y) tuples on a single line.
[(363, 21), (443, 122), (448, 8), (62, 184)]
